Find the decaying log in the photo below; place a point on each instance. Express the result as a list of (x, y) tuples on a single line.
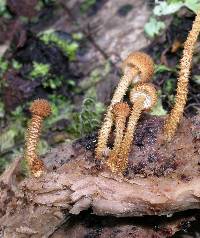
[(93, 226), (161, 179)]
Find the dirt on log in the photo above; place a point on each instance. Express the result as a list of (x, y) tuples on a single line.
[(161, 179)]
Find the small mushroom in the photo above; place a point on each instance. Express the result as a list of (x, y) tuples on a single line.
[(120, 112), (39, 109), (143, 97), (176, 113)]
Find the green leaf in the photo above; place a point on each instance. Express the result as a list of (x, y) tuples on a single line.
[(193, 5), (164, 8), (160, 68), (196, 79), (158, 110), (153, 27)]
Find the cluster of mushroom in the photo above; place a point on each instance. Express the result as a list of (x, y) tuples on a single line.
[(138, 69)]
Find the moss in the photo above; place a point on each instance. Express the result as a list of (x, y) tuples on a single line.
[(68, 48), (88, 119), (39, 70), (52, 83), (16, 65)]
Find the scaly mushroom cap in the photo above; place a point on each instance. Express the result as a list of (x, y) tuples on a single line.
[(146, 90), (40, 107), (143, 63), (121, 108)]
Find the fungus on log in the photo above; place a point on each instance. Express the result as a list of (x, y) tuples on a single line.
[(176, 113), (160, 179), (143, 97), (138, 67), (40, 109), (120, 112)]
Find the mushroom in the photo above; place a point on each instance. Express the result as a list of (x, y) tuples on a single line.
[(176, 113), (40, 109), (120, 112), (137, 68), (143, 97)]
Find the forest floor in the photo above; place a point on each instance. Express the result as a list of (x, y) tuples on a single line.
[(70, 53)]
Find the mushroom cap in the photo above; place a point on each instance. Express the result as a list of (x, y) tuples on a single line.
[(40, 107), (143, 63), (121, 109), (145, 90)]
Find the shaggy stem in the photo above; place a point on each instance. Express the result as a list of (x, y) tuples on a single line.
[(119, 130), (176, 113), (108, 121), (32, 139), (118, 161), (143, 97), (40, 109), (121, 112)]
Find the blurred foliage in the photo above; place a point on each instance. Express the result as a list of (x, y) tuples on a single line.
[(196, 79), (155, 26), (49, 1), (88, 119), (39, 70), (171, 6), (61, 109), (16, 65), (14, 131), (158, 109), (160, 68), (86, 5), (2, 111), (3, 9), (3, 66), (52, 83), (95, 76), (166, 91)]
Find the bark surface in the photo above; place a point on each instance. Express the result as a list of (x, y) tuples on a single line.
[(161, 179)]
